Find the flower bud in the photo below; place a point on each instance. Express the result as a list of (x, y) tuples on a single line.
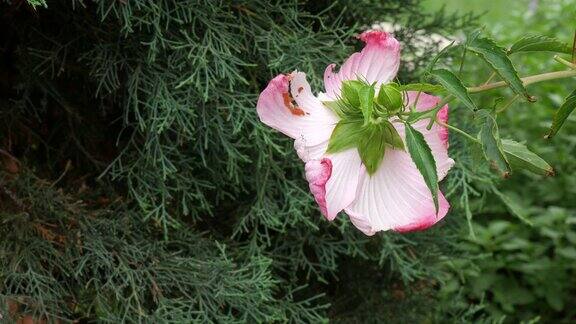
[(390, 97)]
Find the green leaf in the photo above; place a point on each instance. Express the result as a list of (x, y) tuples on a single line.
[(496, 56), (492, 145), (391, 136), (372, 146), (366, 97), (424, 160), (454, 85), (422, 87), (539, 43), (562, 114), (345, 135), (521, 157), (438, 55)]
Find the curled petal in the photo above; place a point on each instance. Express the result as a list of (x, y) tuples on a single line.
[(288, 105), (395, 198), (377, 63), (317, 173), (310, 152)]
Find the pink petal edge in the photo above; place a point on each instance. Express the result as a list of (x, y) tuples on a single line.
[(428, 220), (317, 173)]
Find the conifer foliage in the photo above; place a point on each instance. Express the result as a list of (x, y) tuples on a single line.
[(137, 184)]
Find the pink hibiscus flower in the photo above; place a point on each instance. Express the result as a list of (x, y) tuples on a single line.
[(395, 196)]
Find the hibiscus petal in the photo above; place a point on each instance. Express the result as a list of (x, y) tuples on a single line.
[(437, 136), (343, 183), (395, 197), (336, 192), (288, 105), (310, 152), (377, 63)]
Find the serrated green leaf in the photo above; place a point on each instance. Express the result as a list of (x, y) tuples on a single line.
[(371, 147), (438, 55), (423, 159), (422, 87), (345, 135), (454, 85), (562, 114), (521, 157), (366, 96), (497, 58), (492, 145), (539, 43)]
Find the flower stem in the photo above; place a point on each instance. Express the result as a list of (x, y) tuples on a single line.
[(560, 60), (492, 75), (508, 104), (459, 131), (434, 111), (526, 80)]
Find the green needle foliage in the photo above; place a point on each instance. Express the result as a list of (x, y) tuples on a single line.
[(137, 184)]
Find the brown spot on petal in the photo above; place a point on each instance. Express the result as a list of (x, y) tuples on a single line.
[(297, 111), (287, 100), (288, 103), (300, 89)]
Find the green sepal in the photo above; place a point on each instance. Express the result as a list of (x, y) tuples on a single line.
[(372, 147), (343, 109), (345, 135), (366, 97), (350, 92), (391, 136)]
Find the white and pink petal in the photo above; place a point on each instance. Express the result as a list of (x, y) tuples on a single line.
[(377, 63), (288, 105), (395, 198)]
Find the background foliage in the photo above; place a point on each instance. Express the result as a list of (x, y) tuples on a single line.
[(515, 271), (137, 184)]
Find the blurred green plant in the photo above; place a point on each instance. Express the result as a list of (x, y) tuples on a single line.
[(516, 270)]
